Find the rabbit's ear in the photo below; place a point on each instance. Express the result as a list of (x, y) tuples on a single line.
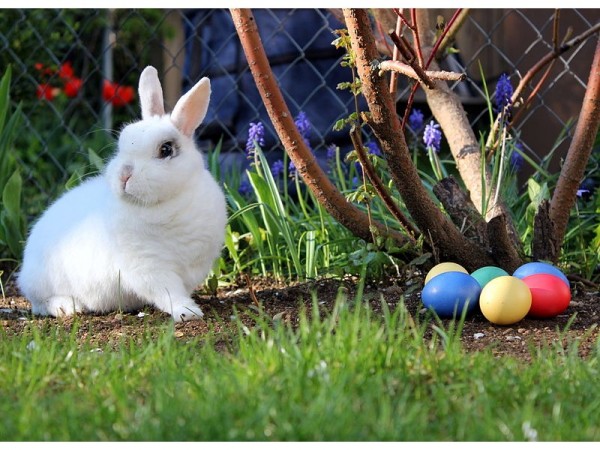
[(151, 95), (191, 109)]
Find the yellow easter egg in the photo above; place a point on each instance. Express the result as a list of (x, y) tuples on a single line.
[(505, 300), (444, 267)]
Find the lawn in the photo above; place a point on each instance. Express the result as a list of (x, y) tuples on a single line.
[(354, 373)]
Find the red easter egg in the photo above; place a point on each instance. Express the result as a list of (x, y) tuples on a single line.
[(549, 295)]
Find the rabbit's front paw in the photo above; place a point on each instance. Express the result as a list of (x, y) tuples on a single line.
[(61, 306), (186, 313)]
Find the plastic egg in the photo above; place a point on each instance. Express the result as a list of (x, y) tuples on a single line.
[(505, 300), (450, 292), (444, 267), (486, 274), (536, 267), (549, 295)]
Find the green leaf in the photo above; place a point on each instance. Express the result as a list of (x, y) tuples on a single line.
[(95, 160)]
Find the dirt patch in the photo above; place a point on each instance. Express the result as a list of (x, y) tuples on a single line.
[(283, 302)]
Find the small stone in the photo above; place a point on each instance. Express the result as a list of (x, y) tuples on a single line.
[(478, 335)]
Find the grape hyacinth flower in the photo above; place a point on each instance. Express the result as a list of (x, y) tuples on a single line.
[(415, 120), (331, 152), (503, 93), (516, 158), (245, 187), (432, 136), (374, 148), (292, 170), (277, 168), (256, 136), (304, 127)]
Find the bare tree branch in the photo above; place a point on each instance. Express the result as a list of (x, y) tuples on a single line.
[(379, 187), (573, 169), (399, 67)]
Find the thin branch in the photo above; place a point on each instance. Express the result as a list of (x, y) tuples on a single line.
[(395, 56), (409, 71), (410, 57), (306, 164), (555, 29), (379, 187), (417, 39)]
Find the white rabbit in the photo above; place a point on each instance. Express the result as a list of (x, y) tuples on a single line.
[(146, 231)]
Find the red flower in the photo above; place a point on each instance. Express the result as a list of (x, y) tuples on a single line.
[(65, 71), (72, 86), (38, 66), (116, 94), (45, 92)]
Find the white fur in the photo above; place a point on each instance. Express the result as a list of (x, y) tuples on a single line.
[(146, 231)]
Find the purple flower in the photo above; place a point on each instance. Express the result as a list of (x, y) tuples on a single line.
[(303, 124), (586, 189), (516, 158), (374, 148), (292, 169), (277, 168), (331, 152), (582, 192), (503, 93), (304, 127), (256, 135), (415, 120), (432, 136), (245, 187)]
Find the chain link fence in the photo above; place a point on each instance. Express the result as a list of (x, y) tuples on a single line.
[(75, 74)]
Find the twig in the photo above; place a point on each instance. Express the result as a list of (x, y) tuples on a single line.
[(379, 187), (402, 18), (555, 29), (409, 71), (251, 290), (395, 55), (417, 39), (410, 57)]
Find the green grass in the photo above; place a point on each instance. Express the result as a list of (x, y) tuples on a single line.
[(350, 375)]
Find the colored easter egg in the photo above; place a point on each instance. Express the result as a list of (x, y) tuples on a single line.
[(505, 300), (442, 268), (449, 293), (533, 268), (486, 274), (550, 296)]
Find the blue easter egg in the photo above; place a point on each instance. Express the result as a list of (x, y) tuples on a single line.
[(534, 268), (450, 292)]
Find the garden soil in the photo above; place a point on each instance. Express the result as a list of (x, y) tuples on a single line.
[(277, 302)]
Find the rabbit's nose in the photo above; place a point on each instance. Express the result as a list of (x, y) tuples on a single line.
[(126, 172)]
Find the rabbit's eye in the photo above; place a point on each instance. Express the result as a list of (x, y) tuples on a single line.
[(166, 150)]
